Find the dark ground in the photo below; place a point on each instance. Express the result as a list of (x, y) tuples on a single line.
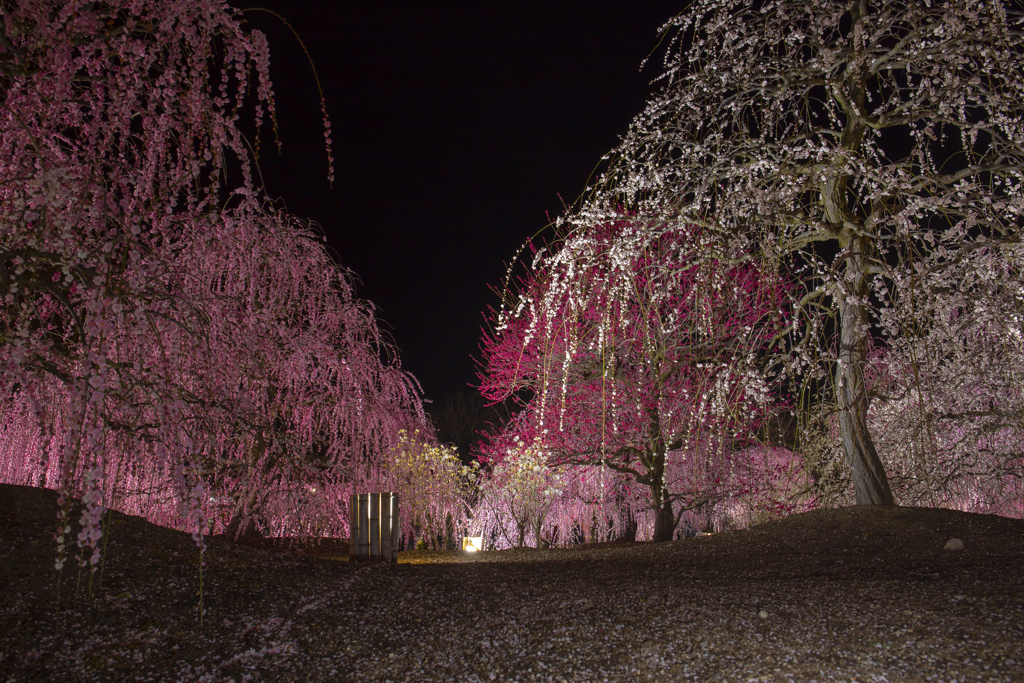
[(870, 575)]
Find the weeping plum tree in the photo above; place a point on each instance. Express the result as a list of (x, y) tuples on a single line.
[(290, 392), (109, 150), (843, 139), (163, 331), (276, 382), (638, 343), (947, 403)]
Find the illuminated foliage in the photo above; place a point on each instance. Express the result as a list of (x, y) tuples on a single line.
[(170, 344), (947, 406), (435, 489), (516, 496), (864, 148), (640, 346)]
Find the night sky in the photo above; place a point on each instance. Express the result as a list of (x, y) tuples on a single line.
[(457, 131)]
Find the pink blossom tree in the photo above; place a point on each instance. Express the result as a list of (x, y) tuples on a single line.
[(640, 344), (168, 342), (840, 139), (293, 373), (109, 151)]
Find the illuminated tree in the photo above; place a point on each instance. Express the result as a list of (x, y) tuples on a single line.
[(171, 338), (947, 405), (517, 493), (435, 489), (842, 139), (109, 151), (638, 345)]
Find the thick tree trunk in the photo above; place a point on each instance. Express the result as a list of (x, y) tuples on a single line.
[(664, 522), (259, 448), (869, 480)]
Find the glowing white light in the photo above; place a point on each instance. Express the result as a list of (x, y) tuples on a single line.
[(472, 544)]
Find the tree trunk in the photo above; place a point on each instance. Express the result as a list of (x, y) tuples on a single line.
[(251, 530), (665, 522), (627, 525), (259, 448), (869, 480)]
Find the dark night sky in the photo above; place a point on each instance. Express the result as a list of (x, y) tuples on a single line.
[(456, 128)]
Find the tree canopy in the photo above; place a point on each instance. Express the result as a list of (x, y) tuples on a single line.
[(862, 148), (171, 343), (640, 346), (851, 171)]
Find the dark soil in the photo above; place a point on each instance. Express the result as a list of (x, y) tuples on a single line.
[(141, 620)]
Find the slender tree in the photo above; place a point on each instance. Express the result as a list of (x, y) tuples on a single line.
[(842, 138)]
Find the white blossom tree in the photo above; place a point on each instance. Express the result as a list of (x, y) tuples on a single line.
[(947, 403), (517, 494), (843, 140)]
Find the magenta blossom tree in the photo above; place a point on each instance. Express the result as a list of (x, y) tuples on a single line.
[(637, 344)]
